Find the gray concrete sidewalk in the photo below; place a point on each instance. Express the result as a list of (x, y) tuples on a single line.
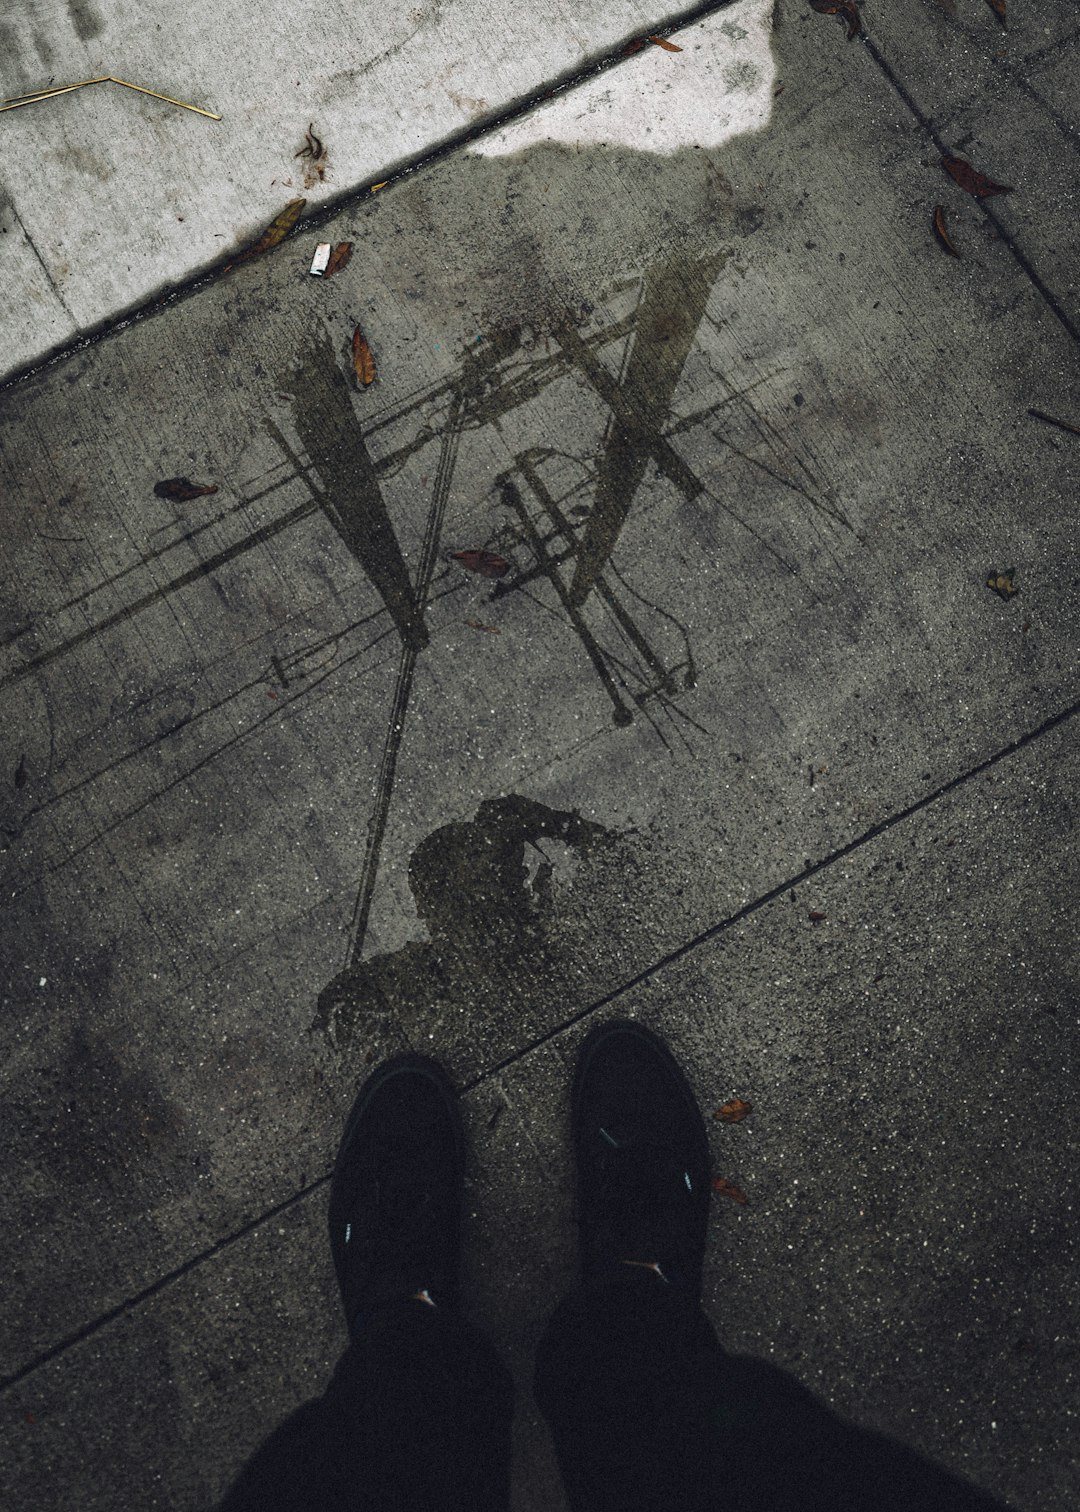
[(289, 787), (109, 197)]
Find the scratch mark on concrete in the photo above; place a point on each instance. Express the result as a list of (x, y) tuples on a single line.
[(61, 301)]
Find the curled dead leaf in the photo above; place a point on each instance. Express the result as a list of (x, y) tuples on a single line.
[(815, 916), (276, 232), (665, 44), (633, 47), (314, 151), (486, 563), (363, 360), (734, 1111), (728, 1188), (182, 489), (313, 147), (338, 258), (970, 179), (846, 9), (940, 231)]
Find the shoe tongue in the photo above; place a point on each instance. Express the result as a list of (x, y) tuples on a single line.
[(647, 1188), (404, 1248), (647, 1162), (650, 1181)]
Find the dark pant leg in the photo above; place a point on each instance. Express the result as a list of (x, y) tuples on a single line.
[(649, 1414), (417, 1415), (623, 1378)]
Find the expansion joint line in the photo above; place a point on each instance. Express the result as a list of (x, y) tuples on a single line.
[(706, 935), (385, 178), (1021, 258)]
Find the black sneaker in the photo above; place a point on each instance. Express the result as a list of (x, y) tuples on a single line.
[(397, 1190), (642, 1158)]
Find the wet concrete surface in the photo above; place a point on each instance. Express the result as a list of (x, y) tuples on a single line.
[(290, 788)]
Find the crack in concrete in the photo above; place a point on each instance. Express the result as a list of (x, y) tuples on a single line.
[(50, 280), (1020, 257), (129, 1304), (389, 175)]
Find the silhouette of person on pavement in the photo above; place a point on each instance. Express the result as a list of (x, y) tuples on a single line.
[(486, 922), (647, 1411)]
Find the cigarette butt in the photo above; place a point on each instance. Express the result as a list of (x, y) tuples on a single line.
[(320, 260)]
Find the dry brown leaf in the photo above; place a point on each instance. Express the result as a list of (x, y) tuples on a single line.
[(362, 359), (998, 8), (182, 489), (633, 47), (486, 563), (665, 44), (734, 1111), (338, 258), (845, 8), (728, 1188), (971, 179), (815, 916), (941, 233), (276, 231)]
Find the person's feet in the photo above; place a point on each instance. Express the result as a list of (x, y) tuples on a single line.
[(397, 1190), (642, 1155)]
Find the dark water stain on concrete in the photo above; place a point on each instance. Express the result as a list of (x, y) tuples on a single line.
[(673, 299), (85, 19), (490, 381), (493, 929), (351, 497), (86, 160), (741, 77)]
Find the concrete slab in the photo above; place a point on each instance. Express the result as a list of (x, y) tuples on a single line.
[(290, 787), (998, 97), (241, 775), (121, 196), (908, 1246)]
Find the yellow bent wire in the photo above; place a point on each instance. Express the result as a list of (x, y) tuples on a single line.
[(15, 102)]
